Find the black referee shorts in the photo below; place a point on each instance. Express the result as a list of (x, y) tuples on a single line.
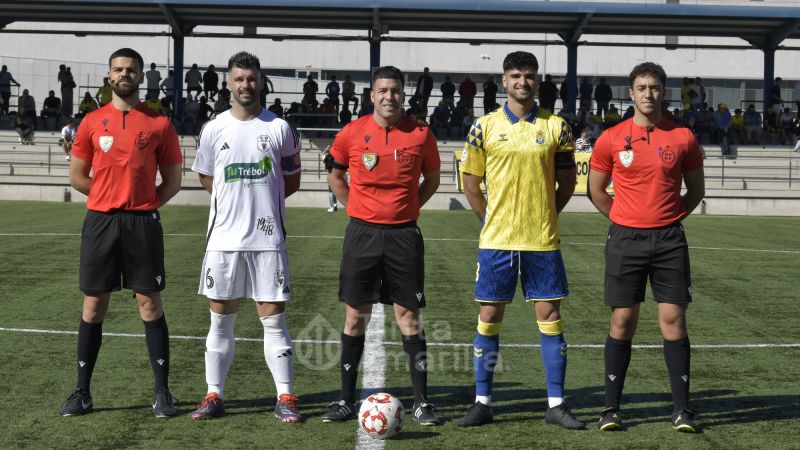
[(129, 244), (383, 263), (635, 254)]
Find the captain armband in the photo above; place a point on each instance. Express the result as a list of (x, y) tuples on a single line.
[(565, 160), (290, 164)]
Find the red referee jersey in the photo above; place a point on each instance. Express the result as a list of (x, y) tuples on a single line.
[(385, 165), (647, 170), (124, 151)]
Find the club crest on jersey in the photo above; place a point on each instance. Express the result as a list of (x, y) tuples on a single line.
[(626, 157), (540, 137), (369, 160), (106, 142), (263, 142), (141, 141)]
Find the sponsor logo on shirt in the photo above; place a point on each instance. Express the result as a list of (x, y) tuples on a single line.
[(248, 171)]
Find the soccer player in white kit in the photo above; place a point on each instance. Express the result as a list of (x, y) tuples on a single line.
[(249, 160)]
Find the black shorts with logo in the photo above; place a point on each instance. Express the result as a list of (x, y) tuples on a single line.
[(129, 244), (383, 263), (635, 254)]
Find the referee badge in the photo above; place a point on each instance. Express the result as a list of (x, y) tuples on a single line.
[(626, 157), (369, 160), (106, 142)]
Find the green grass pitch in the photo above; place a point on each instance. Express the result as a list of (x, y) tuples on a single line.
[(745, 272)]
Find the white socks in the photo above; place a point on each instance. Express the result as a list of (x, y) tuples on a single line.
[(220, 347), (278, 352), (485, 399), (552, 402)]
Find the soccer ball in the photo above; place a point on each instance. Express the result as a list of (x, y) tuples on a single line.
[(381, 416)]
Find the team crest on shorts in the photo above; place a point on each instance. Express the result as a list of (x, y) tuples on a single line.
[(626, 157), (369, 160), (263, 142), (106, 142)]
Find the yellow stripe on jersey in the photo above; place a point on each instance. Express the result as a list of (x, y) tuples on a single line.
[(517, 158)]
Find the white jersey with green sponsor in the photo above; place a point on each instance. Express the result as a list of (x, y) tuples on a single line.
[(248, 160)]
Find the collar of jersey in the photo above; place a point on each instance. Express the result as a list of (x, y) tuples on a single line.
[(530, 118)]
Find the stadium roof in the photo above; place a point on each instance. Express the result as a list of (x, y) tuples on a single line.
[(759, 25)]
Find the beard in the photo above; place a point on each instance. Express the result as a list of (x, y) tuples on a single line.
[(126, 91), (254, 98)]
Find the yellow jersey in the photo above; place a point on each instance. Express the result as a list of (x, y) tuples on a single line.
[(516, 157)]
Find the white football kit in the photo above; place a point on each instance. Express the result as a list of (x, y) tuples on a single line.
[(248, 160)]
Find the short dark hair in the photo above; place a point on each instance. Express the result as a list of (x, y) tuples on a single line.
[(389, 73), (244, 60), (127, 53), (649, 68), (518, 60)]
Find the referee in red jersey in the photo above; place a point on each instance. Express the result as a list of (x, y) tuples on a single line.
[(115, 156), (383, 256), (649, 158)]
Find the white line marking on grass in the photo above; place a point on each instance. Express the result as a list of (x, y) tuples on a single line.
[(592, 244), (373, 377), (430, 344)]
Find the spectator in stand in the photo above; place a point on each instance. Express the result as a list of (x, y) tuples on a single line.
[(628, 113), (585, 90), (441, 118), (24, 130), (775, 98), (51, 107), (191, 114), (167, 86), (326, 107), (87, 105), (701, 90), (67, 136), (787, 120), (466, 122), (548, 92), (424, 88), (165, 108), (796, 95), (332, 91), (466, 92), (686, 88), (772, 122), (612, 117), (27, 107), (153, 78), (152, 102), (276, 108), (722, 122), (489, 95), (349, 94), (67, 86), (310, 89), (224, 94), (665, 112), (696, 94), (210, 83), (563, 93), (752, 124), (206, 111), (448, 92), (736, 128), (602, 95), (6, 80), (193, 80), (103, 94), (345, 116)]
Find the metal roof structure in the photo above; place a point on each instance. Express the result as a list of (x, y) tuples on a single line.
[(762, 27), (759, 25)]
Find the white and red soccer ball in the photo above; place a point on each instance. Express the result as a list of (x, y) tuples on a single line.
[(381, 416)]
